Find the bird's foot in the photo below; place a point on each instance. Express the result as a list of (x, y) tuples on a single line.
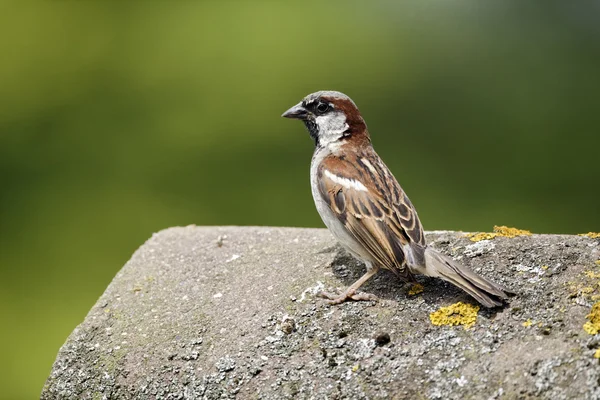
[(346, 296)]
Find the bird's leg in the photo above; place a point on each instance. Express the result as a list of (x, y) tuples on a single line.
[(350, 293)]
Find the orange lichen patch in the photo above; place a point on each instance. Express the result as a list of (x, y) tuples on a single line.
[(591, 235), (499, 231), (527, 323), (416, 289), (455, 314), (593, 325)]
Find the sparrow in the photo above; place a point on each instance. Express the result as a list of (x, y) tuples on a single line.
[(364, 207)]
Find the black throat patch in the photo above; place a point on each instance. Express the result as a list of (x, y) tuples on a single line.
[(313, 130)]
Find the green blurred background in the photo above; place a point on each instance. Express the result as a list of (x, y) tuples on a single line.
[(118, 119)]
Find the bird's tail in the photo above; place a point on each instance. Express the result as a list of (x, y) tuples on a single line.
[(488, 293)]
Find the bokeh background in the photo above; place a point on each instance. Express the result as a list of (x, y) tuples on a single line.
[(118, 119)]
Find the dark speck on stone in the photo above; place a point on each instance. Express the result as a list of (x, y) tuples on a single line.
[(288, 325), (382, 338), (324, 353), (332, 362)]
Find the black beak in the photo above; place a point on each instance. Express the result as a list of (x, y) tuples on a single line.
[(296, 112)]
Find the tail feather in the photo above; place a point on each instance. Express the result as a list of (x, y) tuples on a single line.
[(488, 293)]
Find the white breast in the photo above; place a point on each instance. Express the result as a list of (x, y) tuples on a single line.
[(330, 220)]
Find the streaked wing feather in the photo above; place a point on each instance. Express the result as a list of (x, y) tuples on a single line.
[(403, 214), (383, 221)]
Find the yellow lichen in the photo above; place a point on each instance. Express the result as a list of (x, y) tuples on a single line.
[(545, 267), (476, 237), (587, 290), (527, 323), (597, 262), (597, 354), (592, 274), (455, 314), (591, 235), (510, 232), (416, 289), (499, 231), (593, 325), (588, 286)]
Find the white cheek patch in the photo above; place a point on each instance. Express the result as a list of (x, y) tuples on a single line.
[(345, 182), (331, 126)]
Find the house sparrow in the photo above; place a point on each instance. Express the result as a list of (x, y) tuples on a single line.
[(365, 208)]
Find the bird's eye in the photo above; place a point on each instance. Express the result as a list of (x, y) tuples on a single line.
[(322, 107)]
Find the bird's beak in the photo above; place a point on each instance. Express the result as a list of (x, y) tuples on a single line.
[(296, 112)]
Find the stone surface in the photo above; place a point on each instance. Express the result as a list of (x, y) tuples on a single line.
[(222, 313)]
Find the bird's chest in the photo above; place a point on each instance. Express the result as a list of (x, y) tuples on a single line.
[(322, 207), (330, 219)]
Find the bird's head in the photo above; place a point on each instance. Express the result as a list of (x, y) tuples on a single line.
[(329, 117)]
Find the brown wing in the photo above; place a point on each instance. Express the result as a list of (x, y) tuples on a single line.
[(368, 199)]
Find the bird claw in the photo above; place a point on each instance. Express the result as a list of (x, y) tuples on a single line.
[(364, 297), (333, 299)]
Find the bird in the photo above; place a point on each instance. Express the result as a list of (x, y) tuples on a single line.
[(364, 207)]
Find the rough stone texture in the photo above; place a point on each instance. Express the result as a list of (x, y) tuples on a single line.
[(197, 315)]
